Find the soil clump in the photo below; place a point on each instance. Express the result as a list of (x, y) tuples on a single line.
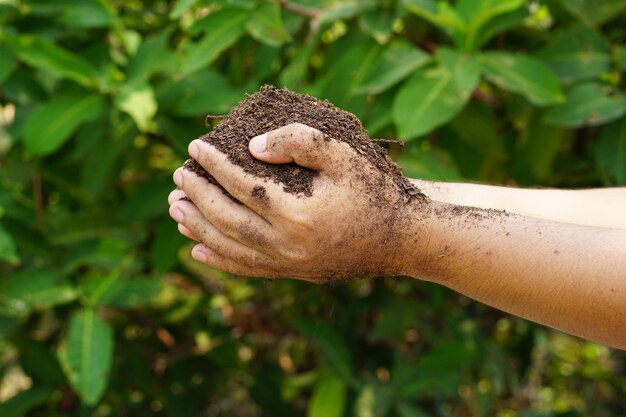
[(271, 108)]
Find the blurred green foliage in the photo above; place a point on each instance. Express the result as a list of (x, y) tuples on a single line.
[(103, 313)]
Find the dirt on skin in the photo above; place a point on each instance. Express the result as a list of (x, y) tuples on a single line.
[(271, 108)]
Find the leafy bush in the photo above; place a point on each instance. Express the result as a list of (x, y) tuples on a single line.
[(102, 311)]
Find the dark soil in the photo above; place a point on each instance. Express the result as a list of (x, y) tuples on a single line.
[(271, 108), (259, 192)]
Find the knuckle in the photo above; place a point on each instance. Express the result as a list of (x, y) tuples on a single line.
[(297, 256), (300, 222), (251, 235), (297, 128), (238, 188)]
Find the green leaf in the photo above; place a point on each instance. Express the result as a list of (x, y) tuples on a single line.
[(541, 144), (8, 252), (86, 354), (610, 153), (588, 104), (620, 55), (38, 360), (434, 164), (101, 289), (180, 8), (379, 114), (51, 124), (463, 67), (221, 29), (266, 25), (343, 10), (102, 157), (136, 293), (437, 373), (365, 403), (294, 74), (577, 53), (347, 71), (378, 24), (189, 96), (422, 7), (524, 75), (428, 100), (47, 56), (434, 96), (25, 401), (477, 125), (406, 409), (7, 323), (153, 55), (331, 346), (243, 4), (87, 13), (329, 398), (8, 61), (147, 201), (139, 102), (166, 244), (442, 15), (496, 25), (179, 131), (25, 291), (594, 12), (398, 60), (479, 12)]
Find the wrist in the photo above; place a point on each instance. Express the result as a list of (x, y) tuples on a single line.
[(424, 252)]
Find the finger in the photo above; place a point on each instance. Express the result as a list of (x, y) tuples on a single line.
[(304, 145), (176, 195), (258, 194), (187, 233), (189, 216), (208, 256), (235, 220)]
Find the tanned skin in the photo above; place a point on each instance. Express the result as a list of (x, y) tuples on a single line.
[(551, 256)]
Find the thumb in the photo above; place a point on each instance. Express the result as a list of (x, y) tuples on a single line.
[(299, 143)]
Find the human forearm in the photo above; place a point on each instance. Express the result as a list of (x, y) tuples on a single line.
[(361, 221), (604, 207), (569, 277)]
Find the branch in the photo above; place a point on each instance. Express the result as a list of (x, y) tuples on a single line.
[(297, 9)]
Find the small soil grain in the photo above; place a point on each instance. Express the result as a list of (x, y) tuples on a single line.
[(271, 108)]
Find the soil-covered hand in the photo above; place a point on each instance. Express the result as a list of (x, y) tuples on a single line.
[(352, 226)]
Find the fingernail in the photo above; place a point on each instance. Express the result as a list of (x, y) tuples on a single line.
[(258, 144), (178, 177), (198, 255), (178, 215), (193, 150)]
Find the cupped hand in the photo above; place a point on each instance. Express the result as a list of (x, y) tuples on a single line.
[(354, 225)]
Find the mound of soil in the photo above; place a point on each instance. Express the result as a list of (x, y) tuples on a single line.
[(271, 108)]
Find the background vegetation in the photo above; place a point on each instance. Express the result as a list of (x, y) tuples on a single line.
[(103, 313)]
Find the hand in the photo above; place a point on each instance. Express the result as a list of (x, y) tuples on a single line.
[(353, 226)]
